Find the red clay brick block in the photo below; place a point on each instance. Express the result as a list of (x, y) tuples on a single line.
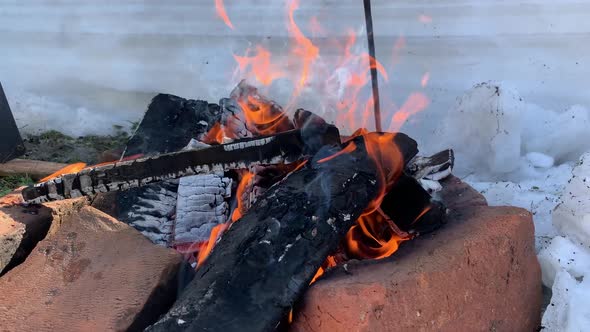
[(21, 228), (91, 273), (477, 273)]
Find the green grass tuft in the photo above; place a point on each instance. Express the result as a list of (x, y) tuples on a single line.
[(9, 183)]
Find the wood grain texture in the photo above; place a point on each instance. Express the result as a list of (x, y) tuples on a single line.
[(91, 273)]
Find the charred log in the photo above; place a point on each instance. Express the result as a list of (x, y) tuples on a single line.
[(169, 123), (149, 209), (435, 168), (265, 261), (281, 148), (411, 207)]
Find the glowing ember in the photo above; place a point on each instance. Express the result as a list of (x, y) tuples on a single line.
[(220, 8)]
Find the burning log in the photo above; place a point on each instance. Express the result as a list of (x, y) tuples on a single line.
[(265, 260), (169, 124), (285, 147)]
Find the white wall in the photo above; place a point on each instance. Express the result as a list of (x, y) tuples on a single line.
[(69, 61)]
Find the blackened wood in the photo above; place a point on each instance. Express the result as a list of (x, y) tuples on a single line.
[(11, 144), (436, 167), (281, 148), (169, 123), (406, 145), (412, 208), (267, 259)]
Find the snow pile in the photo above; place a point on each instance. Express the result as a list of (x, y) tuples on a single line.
[(572, 217), (491, 128), (34, 114), (566, 261), (517, 153)]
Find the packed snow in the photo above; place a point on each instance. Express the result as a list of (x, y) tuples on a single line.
[(517, 153), (81, 68)]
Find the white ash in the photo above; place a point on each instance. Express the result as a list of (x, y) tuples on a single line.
[(153, 211), (200, 206)]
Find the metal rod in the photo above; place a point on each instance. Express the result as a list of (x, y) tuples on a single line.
[(373, 64)]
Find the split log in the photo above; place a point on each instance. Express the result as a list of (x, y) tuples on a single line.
[(36, 169), (169, 123), (285, 147), (266, 260)]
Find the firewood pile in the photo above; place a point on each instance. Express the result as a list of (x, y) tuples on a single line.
[(218, 213), (256, 199)]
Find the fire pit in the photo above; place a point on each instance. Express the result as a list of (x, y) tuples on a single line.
[(263, 213), (248, 215)]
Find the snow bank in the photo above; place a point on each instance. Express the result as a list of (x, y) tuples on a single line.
[(484, 128), (565, 263), (491, 127), (537, 190), (517, 153), (572, 216), (568, 310)]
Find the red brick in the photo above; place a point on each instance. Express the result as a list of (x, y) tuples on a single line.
[(21, 228), (477, 273), (91, 273)]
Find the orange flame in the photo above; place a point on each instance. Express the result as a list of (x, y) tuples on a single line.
[(240, 209), (73, 168), (303, 48), (214, 135), (329, 263), (207, 246), (260, 65), (388, 160), (416, 103), (220, 8), (264, 116), (372, 237)]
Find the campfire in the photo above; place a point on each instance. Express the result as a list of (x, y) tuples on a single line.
[(250, 205), (259, 194)]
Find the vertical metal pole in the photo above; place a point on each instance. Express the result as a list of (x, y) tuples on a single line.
[(373, 64)]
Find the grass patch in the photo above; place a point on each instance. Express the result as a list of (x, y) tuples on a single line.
[(57, 147), (9, 183)]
